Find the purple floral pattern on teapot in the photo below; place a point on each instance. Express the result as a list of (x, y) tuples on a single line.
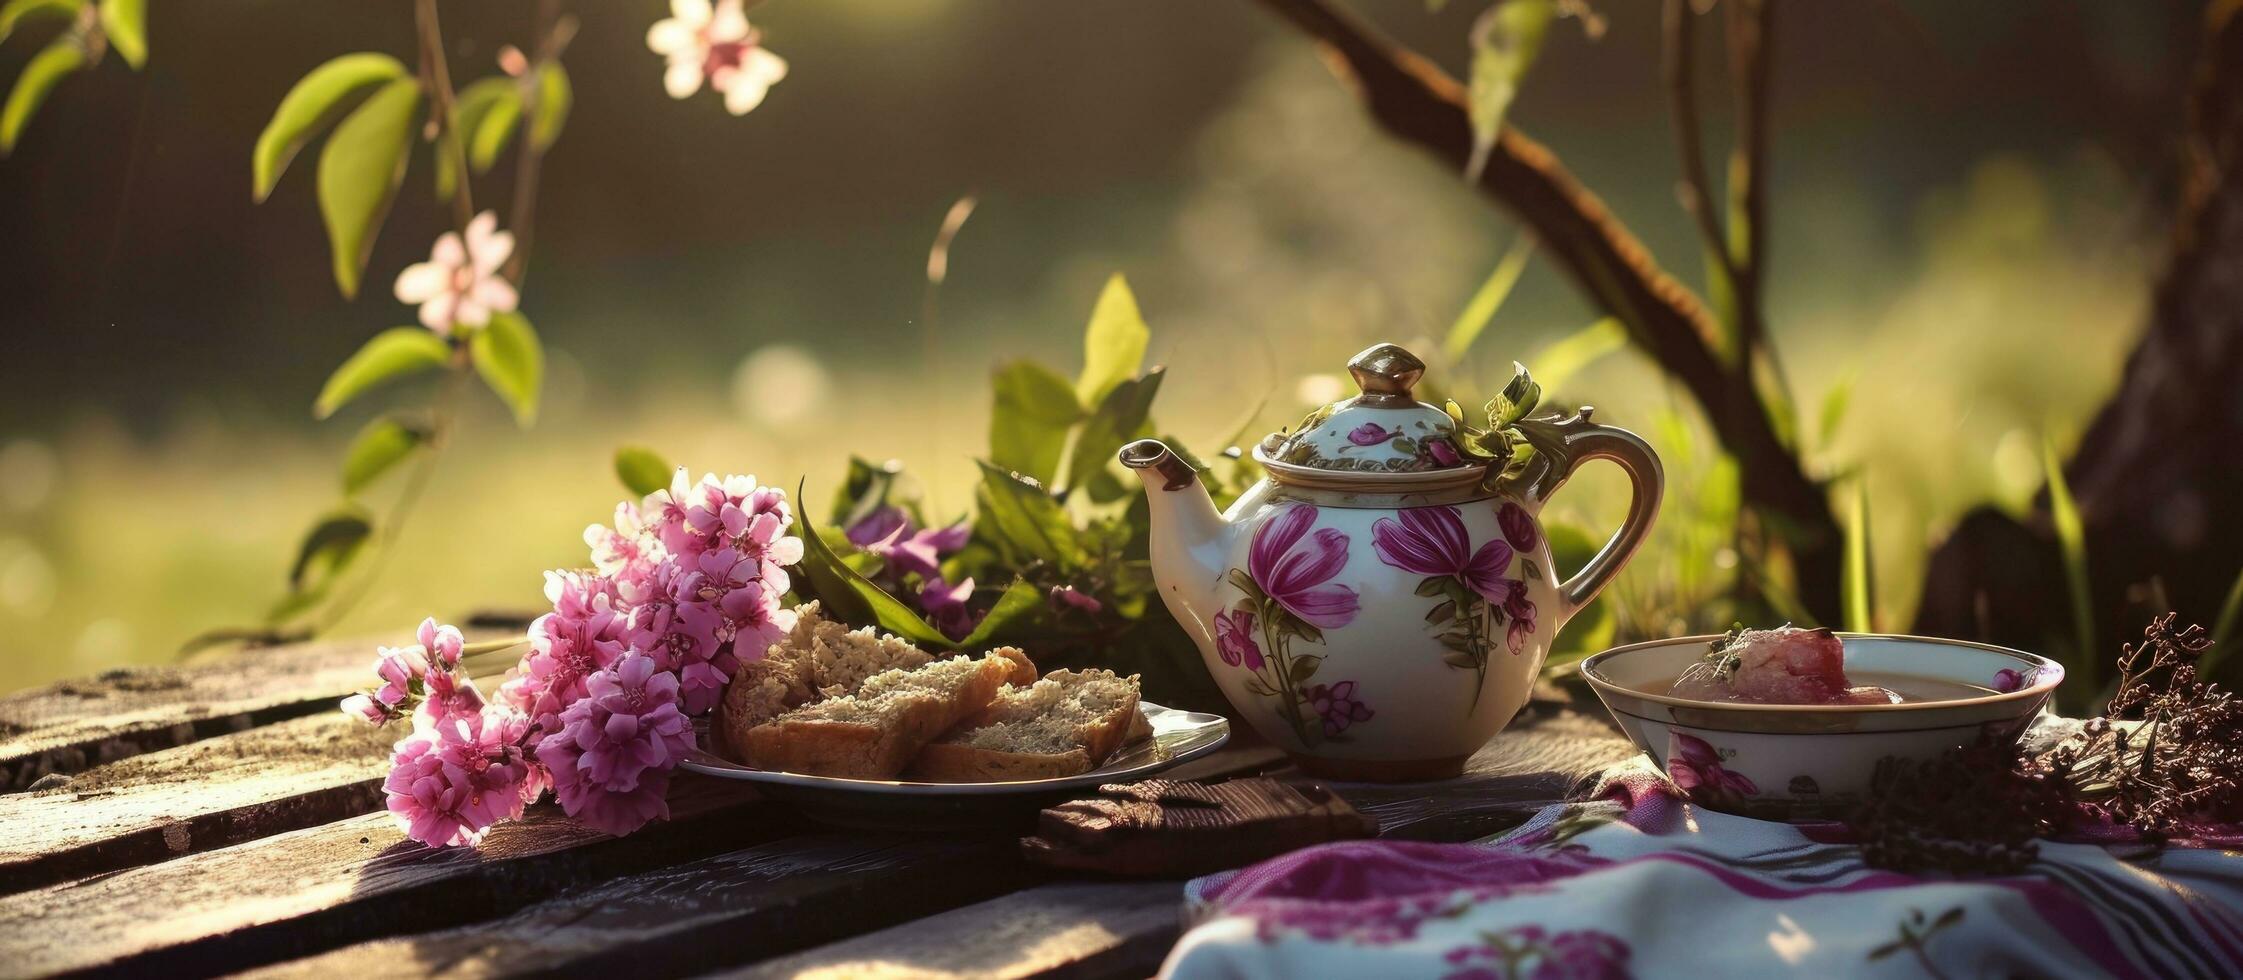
[(1478, 603), (1290, 595)]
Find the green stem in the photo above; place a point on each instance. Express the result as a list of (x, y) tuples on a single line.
[(1288, 699), (436, 76), (415, 487)]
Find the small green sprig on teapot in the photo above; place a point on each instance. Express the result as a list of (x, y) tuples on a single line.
[(1509, 443)]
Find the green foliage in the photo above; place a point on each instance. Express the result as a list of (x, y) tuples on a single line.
[(1859, 579), (1035, 410), (1023, 520), (1834, 406), (490, 134), (554, 99), (2223, 631), (359, 171), (21, 11), (331, 543), (642, 470), (39, 77), (1114, 344), (852, 598), (317, 100), (392, 354), (469, 106), (507, 354), (377, 449), (126, 24), (1016, 612), (1567, 356), (1488, 299), (1505, 41), (1123, 415), (2071, 536)]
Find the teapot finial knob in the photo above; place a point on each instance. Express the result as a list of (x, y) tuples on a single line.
[(1386, 374)]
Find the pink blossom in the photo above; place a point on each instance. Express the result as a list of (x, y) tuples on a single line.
[(441, 644), (364, 708), (450, 695), (715, 44), (626, 554), (400, 669), (610, 761), (460, 285), (449, 783), (1518, 527), (1292, 567), (1064, 597), (582, 635), (1371, 434)]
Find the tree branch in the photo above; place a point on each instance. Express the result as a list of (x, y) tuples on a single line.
[(553, 35), (1415, 101), (1749, 22)]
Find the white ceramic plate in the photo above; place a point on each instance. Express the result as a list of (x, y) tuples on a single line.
[(1177, 736)]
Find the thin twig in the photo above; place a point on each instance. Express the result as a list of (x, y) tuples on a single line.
[(437, 78), (1749, 23), (1689, 135), (553, 34)]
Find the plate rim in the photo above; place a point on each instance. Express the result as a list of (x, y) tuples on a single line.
[(696, 762)]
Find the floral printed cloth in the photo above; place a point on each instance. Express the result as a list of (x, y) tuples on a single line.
[(1639, 883)]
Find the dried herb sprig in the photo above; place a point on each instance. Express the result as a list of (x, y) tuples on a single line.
[(2163, 761)]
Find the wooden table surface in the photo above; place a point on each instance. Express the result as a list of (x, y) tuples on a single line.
[(226, 817)]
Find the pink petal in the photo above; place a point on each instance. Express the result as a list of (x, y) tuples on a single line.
[(1330, 607), (1275, 537)]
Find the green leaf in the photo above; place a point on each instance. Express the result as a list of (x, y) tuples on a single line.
[(554, 98), (1120, 417), (496, 129), (39, 77), (1505, 41), (1859, 578), (1486, 300), (1020, 605), (330, 545), (1018, 513), (1028, 425), (19, 11), (2071, 535), (126, 24), (2223, 630), (392, 354), (359, 171), (507, 354), (853, 599), (316, 101), (1114, 343), (1305, 668), (469, 109), (642, 470), (1516, 400), (377, 448), (1432, 585)]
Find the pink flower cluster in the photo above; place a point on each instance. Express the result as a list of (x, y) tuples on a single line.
[(683, 589)]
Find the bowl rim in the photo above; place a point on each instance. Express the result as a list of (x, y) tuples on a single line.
[(2049, 674)]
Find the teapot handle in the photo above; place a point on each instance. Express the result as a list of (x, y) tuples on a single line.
[(1583, 441)]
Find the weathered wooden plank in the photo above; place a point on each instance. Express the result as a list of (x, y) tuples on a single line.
[(1072, 929), (76, 725), (311, 890), (734, 908), (196, 797)]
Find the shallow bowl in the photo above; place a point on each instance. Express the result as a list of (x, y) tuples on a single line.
[(1783, 761)]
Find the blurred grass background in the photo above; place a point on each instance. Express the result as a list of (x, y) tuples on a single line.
[(1963, 236)]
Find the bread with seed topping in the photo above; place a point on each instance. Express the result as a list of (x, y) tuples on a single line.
[(875, 732), (1068, 723)]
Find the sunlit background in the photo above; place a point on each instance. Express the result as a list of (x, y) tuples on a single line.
[(1967, 199)]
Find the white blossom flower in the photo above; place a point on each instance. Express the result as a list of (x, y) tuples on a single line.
[(714, 43), (459, 285)]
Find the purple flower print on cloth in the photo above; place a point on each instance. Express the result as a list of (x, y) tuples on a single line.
[(1293, 566), (1518, 527), (1234, 639), (1371, 434), (1432, 541), (1337, 705), (1534, 953), (1695, 766)]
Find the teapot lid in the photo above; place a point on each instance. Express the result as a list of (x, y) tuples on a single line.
[(1384, 433)]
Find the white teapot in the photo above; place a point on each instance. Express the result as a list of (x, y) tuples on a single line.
[(1380, 604)]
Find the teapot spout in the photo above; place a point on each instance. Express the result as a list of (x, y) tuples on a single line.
[(1183, 515)]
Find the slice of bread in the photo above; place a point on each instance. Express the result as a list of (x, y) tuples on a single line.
[(1067, 723), (875, 731), (1023, 669), (819, 658)]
